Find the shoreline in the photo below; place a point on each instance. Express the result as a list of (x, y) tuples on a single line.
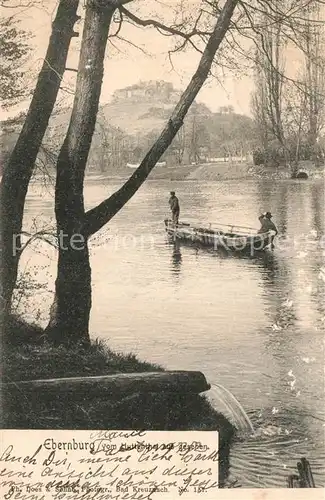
[(215, 173), (209, 172)]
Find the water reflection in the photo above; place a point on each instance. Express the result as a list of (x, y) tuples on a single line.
[(299, 217), (276, 281), (176, 263), (317, 202), (269, 265)]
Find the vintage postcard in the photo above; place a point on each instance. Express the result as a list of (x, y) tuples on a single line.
[(162, 249)]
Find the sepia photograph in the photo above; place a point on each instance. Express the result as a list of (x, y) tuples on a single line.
[(162, 235)]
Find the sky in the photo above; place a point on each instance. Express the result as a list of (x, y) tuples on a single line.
[(126, 65)]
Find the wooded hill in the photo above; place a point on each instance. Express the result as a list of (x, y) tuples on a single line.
[(128, 125)]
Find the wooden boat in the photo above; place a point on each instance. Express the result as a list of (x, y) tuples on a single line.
[(231, 238)]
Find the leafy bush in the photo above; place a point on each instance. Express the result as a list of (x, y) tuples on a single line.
[(258, 157)]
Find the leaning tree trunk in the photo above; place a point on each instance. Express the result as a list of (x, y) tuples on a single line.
[(70, 312), (69, 319), (20, 167)]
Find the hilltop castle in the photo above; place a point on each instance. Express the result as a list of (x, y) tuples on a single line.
[(152, 89)]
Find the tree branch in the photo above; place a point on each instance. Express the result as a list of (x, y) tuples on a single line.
[(167, 29), (120, 22)]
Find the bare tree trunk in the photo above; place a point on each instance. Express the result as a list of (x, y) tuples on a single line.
[(269, 64), (314, 80), (69, 320), (298, 124), (20, 167), (180, 145)]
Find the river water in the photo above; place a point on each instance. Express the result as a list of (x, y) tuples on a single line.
[(254, 325)]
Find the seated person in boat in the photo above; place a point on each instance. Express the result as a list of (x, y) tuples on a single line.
[(266, 223), (174, 206)]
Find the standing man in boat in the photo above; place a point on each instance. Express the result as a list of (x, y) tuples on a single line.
[(174, 206)]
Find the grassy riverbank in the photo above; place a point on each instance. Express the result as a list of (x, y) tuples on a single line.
[(150, 411)]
